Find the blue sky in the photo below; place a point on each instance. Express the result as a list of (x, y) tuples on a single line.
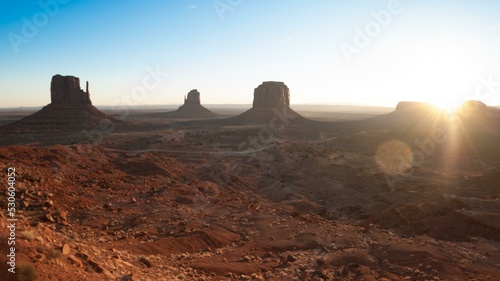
[(435, 51)]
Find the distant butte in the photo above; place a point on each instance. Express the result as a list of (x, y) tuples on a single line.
[(70, 110), (191, 108), (270, 99), (413, 105), (469, 108), (411, 115), (271, 94), (193, 97)]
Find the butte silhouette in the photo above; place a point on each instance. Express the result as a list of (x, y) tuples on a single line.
[(70, 110), (191, 108), (410, 116), (271, 103), (270, 99)]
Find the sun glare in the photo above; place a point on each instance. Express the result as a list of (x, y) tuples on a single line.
[(446, 106), (436, 71)]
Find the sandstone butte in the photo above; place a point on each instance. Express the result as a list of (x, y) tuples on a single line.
[(70, 110)]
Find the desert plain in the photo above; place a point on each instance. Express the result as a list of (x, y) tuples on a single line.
[(313, 193)]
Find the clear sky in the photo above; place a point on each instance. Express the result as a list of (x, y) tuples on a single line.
[(337, 51)]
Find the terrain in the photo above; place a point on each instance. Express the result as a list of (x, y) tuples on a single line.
[(165, 200)]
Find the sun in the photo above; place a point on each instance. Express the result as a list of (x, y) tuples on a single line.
[(446, 106)]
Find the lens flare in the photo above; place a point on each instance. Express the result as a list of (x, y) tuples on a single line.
[(394, 157)]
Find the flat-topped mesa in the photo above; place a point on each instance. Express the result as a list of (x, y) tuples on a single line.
[(474, 106), (271, 100), (193, 97), (66, 89), (469, 106), (271, 94), (413, 105), (476, 109)]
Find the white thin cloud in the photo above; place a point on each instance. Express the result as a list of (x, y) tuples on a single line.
[(494, 27), (192, 6), (294, 37)]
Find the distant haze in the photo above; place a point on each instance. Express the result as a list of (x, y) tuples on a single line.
[(326, 52)]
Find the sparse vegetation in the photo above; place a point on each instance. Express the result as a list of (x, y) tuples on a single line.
[(26, 272), (301, 208), (49, 252), (29, 235)]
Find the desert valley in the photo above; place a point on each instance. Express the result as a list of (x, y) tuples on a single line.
[(270, 193)]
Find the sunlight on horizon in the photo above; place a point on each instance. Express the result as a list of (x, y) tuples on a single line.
[(441, 73), (437, 60)]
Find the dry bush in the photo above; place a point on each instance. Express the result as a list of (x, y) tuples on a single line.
[(26, 272), (49, 252), (29, 235)]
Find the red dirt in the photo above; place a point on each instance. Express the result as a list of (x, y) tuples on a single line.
[(157, 203)]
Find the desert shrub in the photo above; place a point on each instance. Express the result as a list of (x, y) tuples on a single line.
[(29, 235), (26, 272), (48, 251)]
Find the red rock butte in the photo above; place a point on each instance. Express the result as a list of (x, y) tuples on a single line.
[(271, 94), (191, 108), (70, 110), (66, 89), (270, 99)]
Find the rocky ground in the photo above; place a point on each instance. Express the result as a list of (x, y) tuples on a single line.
[(180, 202)]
